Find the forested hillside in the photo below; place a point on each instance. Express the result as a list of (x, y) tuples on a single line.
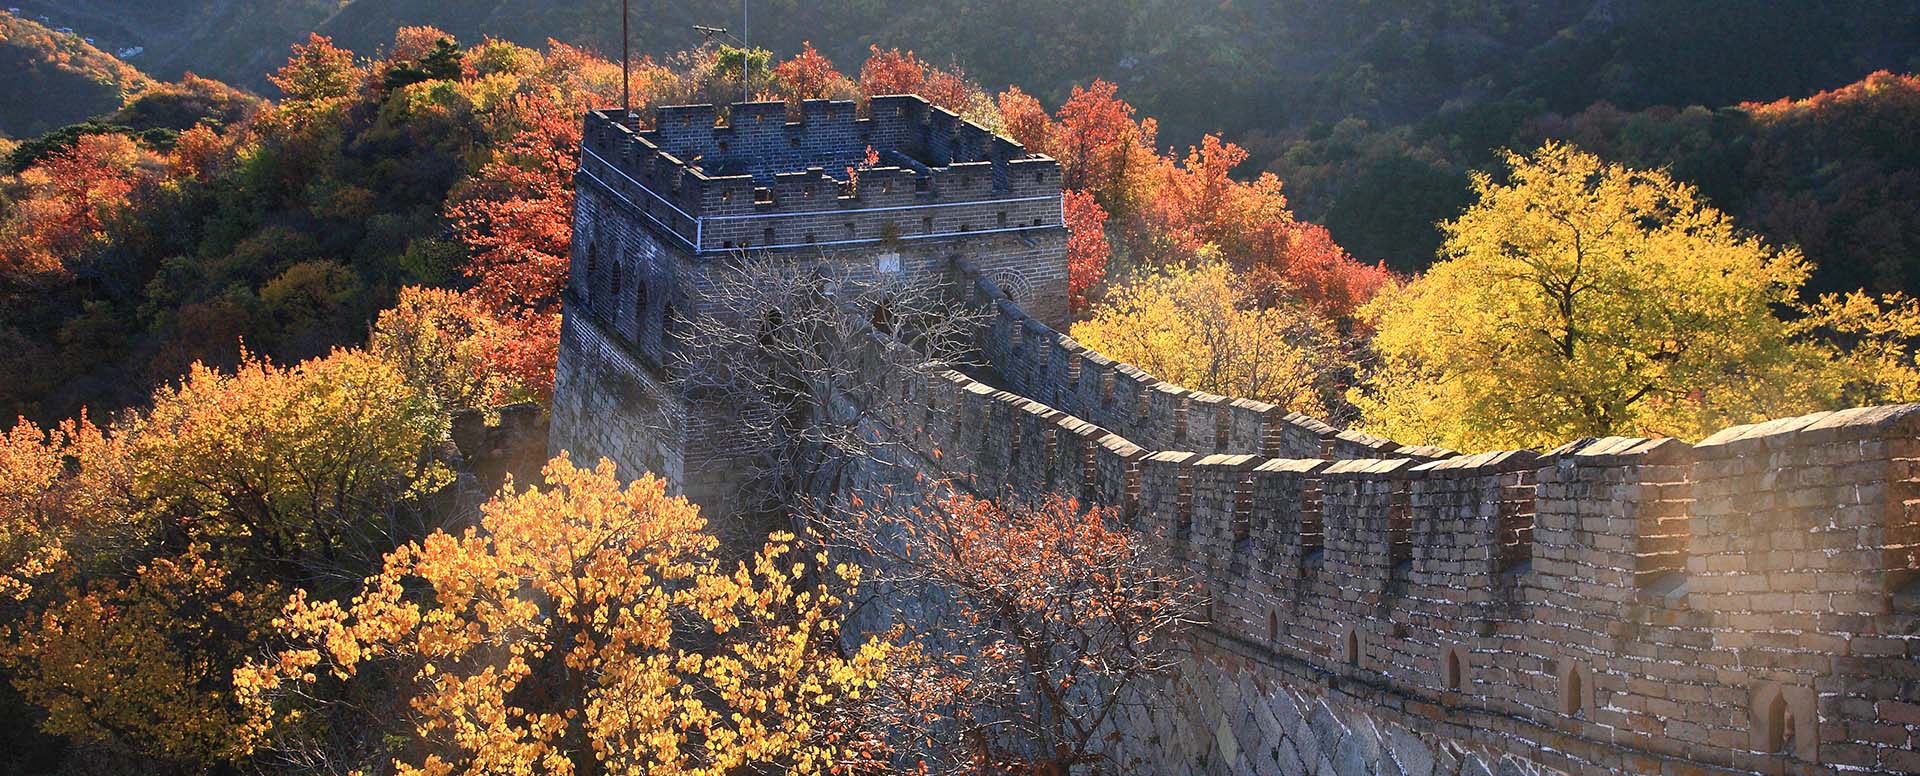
[(1372, 112), (54, 79), (1835, 173)]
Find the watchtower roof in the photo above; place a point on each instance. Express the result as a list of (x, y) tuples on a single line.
[(699, 173)]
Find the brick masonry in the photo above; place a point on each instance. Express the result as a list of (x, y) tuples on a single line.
[(1747, 604)]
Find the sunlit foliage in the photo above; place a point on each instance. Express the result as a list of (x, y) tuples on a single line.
[(587, 627), (1582, 298), (1201, 328)]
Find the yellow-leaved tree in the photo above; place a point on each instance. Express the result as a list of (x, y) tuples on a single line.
[(145, 563), (589, 628), (1580, 298), (439, 340), (1200, 327), (1873, 345), (49, 480)]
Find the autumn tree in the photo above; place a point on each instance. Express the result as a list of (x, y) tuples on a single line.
[(893, 71), (140, 665), (809, 75), (147, 561), (1024, 119), (1202, 328), (1050, 620), (1088, 251), (69, 200), (1871, 347), (1581, 298), (318, 70), (1196, 203), (587, 628), (1103, 149), (516, 218), (52, 483), (440, 341), (301, 473)]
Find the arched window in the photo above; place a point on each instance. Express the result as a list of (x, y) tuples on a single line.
[(1353, 647), (1273, 626), (1453, 671), (1574, 689)]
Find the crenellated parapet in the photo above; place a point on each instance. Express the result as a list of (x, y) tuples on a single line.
[(1744, 605), (757, 177), (1036, 361)]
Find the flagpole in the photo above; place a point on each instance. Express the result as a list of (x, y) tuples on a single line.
[(626, 64)]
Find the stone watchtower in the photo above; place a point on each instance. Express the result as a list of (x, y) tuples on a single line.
[(658, 210)]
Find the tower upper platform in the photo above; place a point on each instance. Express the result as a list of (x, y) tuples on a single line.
[(754, 179)]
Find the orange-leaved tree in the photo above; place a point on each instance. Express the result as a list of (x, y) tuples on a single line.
[(588, 627), (1088, 251), (1103, 149), (516, 218), (1196, 203), (893, 71), (51, 481), (810, 75), (68, 200)]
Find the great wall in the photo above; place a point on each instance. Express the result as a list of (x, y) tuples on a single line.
[(1746, 604)]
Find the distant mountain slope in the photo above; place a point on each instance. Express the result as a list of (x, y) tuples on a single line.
[(54, 79), (1273, 65), (236, 41)]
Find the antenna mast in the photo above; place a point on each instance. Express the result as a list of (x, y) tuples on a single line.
[(710, 33), (744, 48)]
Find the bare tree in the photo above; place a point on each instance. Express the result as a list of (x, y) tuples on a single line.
[(811, 367), (1041, 622)]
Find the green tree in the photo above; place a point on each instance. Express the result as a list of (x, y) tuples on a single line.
[(1580, 298)]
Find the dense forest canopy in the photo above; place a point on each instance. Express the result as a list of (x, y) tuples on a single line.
[(1372, 112), (1227, 67)]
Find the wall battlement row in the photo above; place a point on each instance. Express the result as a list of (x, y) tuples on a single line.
[(761, 181), (1034, 360), (1741, 605)]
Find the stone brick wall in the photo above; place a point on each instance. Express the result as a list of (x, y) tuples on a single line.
[(1744, 605)]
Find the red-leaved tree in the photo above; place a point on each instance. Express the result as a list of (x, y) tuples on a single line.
[(1087, 248), (1196, 203), (809, 75), (515, 217)]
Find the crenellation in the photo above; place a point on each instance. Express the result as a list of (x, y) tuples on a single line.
[(759, 181), (1747, 604), (1584, 632)]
